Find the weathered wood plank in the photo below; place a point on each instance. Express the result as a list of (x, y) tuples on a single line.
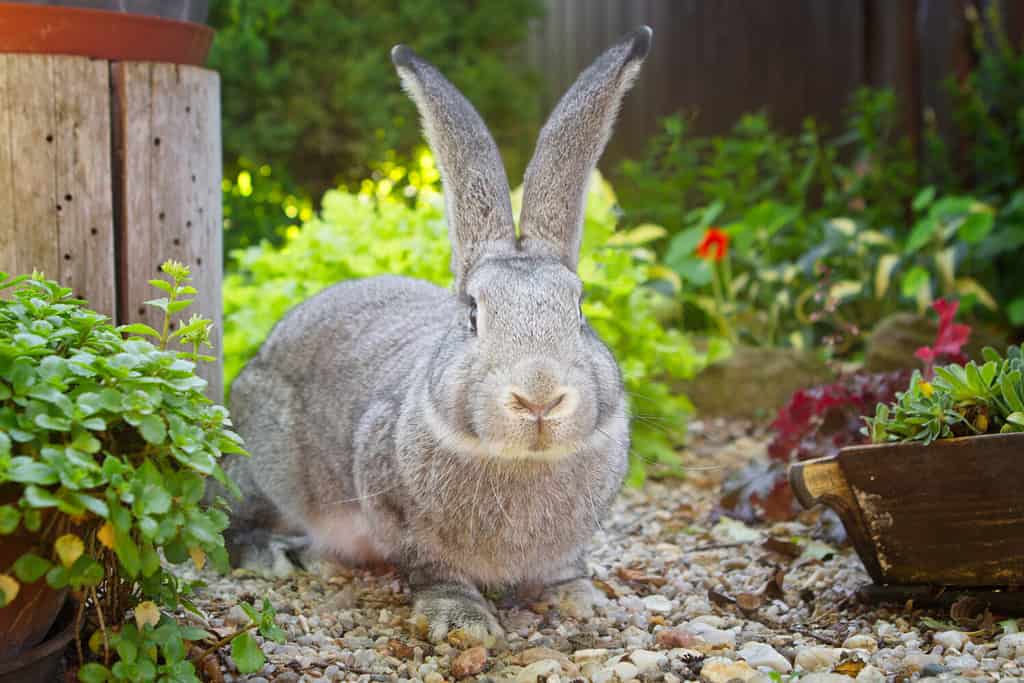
[(169, 136), (55, 173), (31, 228), (82, 179)]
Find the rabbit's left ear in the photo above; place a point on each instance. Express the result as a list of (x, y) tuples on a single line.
[(571, 142), (477, 204)]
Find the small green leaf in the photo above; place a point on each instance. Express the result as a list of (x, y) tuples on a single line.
[(10, 517), (139, 328), (246, 653), (153, 429), (923, 198), (94, 672), (30, 567)]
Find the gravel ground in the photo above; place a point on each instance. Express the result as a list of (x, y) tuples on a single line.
[(689, 597)]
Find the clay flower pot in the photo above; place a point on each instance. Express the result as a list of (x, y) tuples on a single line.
[(102, 34)]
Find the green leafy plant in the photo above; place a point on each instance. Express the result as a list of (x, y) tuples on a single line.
[(107, 442), (961, 400), (629, 293)]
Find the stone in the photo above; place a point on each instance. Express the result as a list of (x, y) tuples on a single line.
[(765, 377), (713, 637), (917, 662), (818, 658), (722, 670), (760, 654), (1011, 646), (861, 642), (469, 662), (962, 663), (825, 678), (645, 660), (669, 638), (594, 654), (625, 670), (895, 338), (236, 616), (871, 674), (543, 668), (657, 603), (951, 640)]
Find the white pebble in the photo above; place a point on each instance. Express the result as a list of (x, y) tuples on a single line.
[(818, 658), (625, 670), (658, 603), (953, 640), (760, 654), (825, 678), (1011, 646), (543, 668), (871, 674), (646, 660), (861, 642), (711, 635)]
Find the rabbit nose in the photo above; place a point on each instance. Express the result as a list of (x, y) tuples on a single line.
[(539, 409)]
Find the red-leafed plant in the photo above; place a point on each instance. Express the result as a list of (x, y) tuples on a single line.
[(949, 341)]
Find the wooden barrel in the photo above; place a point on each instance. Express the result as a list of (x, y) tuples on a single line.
[(106, 170)]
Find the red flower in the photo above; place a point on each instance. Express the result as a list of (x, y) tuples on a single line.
[(950, 339), (714, 245)]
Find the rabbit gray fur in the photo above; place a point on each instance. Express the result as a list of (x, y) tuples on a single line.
[(475, 437)]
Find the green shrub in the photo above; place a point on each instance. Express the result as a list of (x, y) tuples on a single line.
[(107, 443), (373, 232)]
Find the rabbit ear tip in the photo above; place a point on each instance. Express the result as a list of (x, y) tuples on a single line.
[(402, 55), (641, 40)]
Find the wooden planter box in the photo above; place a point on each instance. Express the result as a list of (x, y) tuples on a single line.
[(107, 169), (950, 513)]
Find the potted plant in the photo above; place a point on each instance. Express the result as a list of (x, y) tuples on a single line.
[(139, 30), (935, 499), (106, 443)]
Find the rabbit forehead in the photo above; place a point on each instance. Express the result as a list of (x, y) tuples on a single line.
[(510, 278)]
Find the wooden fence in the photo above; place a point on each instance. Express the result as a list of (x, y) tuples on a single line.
[(791, 58)]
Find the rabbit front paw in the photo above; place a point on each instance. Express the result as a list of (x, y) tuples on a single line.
[(453, 607)]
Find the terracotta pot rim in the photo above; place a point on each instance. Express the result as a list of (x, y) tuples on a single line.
[(101, 34)]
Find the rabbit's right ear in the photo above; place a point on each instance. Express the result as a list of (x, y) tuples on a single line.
[(555, 185), (476, 192)]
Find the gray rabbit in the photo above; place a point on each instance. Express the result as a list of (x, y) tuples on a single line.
[(474, 437)]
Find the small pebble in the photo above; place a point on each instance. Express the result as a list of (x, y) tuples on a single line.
[(818, 658), (762, 655), (469, 662), (721, 670)]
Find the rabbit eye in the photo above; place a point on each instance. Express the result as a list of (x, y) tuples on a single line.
[(472, 316)]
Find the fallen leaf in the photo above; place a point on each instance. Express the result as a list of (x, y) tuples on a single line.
[(637, 576), (147, 612), (69, 548), (760, 492), (816, 550), (781, 547), (720, 599), (850, 667), (938, 625), (734, 531), (607, 588), (749, 602), (968, 611)]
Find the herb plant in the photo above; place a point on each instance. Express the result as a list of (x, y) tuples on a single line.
[(107, 441)]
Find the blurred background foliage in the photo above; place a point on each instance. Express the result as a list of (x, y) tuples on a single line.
[(311, 101)]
